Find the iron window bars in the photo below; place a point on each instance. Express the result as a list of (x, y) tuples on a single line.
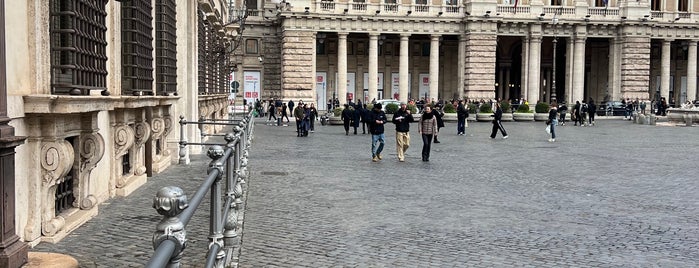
[(137, 48), (166, 47)]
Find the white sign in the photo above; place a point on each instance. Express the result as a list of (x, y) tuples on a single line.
[(379, 81), (321, 81), (251, 86), (425, 86), (395, 85)]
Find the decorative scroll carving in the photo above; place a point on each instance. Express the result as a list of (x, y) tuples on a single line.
[(123, 139), (56, 160), (157, 127), (91, 152), (141, 133)]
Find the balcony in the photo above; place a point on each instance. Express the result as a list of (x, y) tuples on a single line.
[(387, 9)]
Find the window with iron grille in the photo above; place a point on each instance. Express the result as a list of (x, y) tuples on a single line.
[(136, 48), (78, 46), (201, 44), (166, 47)]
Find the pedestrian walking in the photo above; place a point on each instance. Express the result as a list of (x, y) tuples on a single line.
[(497, 124), (291, 106), (591, 110), (346, 118), (356, 117), (364, 117), (461, 115), (438, 114), (284, 113), (402, 118), (563, 110), (576, 114), (427, 127), (298, 115), (376, 128), (314, 115), (272, 113), (552, 121)]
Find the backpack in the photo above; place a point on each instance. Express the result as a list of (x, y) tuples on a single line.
[(584, 108)]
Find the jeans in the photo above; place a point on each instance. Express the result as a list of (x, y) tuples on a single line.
[(426, 144), (376, 149), (461, 126), (553, 124)]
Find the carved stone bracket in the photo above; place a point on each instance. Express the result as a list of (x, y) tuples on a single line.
[(123, 139), (142, 133), (158, 128), (91, 152), (56, 160)]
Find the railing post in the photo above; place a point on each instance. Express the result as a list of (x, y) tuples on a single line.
[(202, 131), (170, 201), (216, 153), (230, 232), (184, 154)]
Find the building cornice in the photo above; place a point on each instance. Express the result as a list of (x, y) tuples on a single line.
[(62, 104)]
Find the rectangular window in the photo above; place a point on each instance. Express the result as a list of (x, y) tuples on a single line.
[(320, 48), (389, 1), (136, 49), (251, 46), (560, 2), (655, 5), (451, 2), (425, 49), (420, 2), (78, 46), (166, 47), (202, 29), (350, 48), (682, 5)]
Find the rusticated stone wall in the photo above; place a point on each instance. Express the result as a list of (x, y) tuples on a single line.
[(272, 57), (635, 67), (480, 66), (298, 64)]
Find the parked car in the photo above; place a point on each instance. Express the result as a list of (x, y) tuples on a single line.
[(384, 102), (614, 108)]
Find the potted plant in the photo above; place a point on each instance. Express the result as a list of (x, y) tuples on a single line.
[(472, 111), (449, 113), (506, 111), (336, 118), (542, 111), (485, 112), (391, 108), (523, 113)]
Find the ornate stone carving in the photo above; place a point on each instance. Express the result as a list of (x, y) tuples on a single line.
[(91, 152), (56, 160), (157, 127), (52, 226), (123, 139), (141, 133)]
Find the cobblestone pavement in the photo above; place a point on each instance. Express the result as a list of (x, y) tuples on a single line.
[(616, 194)]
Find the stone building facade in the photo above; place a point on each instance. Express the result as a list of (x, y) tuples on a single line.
[(477, 49), (97, 88)]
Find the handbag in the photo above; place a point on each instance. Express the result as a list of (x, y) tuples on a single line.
[(548, 129)]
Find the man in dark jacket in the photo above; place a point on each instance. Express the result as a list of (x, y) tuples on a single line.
[(461, 114), (378, 119), (438, 113), (347, 115), (402, 119), (497, 124)]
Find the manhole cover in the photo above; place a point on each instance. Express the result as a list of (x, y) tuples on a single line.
[(274, 173)]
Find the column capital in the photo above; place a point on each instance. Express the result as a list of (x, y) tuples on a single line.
[(693, 42), (405, 35), (435, 36), (668, 41), (342, 34), (374, 34)]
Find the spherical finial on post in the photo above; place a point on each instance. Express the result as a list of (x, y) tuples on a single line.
[(215, 152), (170, 201)]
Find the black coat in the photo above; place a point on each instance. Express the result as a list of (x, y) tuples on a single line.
[(402, 125), (438, 114)]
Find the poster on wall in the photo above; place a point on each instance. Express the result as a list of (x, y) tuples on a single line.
[(395, 85), (251, 86), (350, 86), (321, 97), (379, 89), (424, 86)]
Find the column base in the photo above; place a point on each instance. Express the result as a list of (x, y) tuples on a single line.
[(14, 255)]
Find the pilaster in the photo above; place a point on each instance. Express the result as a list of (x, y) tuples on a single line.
[(665, 70), (298, 71), (403, 68), (692, 70), (434, 68), (341, 66), (479, 71), (635, 67), (373, 65)]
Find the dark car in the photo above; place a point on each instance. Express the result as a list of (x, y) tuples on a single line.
[(614, 108)]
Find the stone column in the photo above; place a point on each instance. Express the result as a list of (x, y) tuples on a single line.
[(549, 83), (692, 71), (500, 83), (665, 70), (461, 65), (534, 71), (579, 70), (569, 71), (341, 65), (373, 65), (434, 68), (614, 78), (13, 252), (506, 84), (403, 77), (524, 80)]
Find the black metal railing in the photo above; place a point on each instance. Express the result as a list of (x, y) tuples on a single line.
[(229, 161)]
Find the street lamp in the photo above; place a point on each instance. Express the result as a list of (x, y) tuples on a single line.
[(555, 43)]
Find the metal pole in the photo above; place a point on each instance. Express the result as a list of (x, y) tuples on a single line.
[(553, 83), (184, 154)]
